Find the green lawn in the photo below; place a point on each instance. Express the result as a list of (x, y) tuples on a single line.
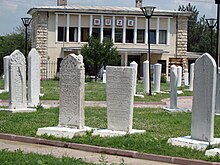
[(159, 126), (95, 91), (20, 158)]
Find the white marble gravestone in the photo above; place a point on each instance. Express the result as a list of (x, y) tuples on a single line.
[(33, 78), (191, 77), (104, 77), (120, 99), (203, 108), (186, 77), (173, 87), (135, 66), (179, 74), (157, 77), (17, 84), (146, 76), (71, 114), (6, 73)]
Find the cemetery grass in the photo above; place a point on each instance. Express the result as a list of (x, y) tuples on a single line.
[(95, 91), (159, 126), (21, 158)]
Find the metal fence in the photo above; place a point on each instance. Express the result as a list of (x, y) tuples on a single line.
[(48, 70)]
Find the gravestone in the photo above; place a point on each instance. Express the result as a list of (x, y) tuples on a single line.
[(146, 76), (186, 77), (173, 87), (104, 77), (135, 66), (120, 99), (17, 84), (179, 74), (157, 77), (203, 108), (191, 77), (33, 78), (217, 110), (6, 73), (71, 114)]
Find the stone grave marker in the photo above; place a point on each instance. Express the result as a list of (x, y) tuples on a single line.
[(146, 76), (157, 77), (173, 87), (6, 73), (17, 84), (104, 77), (179, 74), (120, 99), (203, 108), (33, 78), (186, 77), (71, 114), (217, 110), (191, 77), (135, 66)]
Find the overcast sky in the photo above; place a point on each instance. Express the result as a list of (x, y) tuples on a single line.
[(12, 10)]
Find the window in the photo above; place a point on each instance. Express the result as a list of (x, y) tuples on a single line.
[(129, 35), (118, 35), (107, 33), (140, 35), (73, 33), (61, 33), (84, 34), (164, 65), (162, 37), (96, 32), (153, 36)]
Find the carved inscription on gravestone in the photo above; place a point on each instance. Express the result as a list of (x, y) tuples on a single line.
[(120, 97), (17, 80), (72, 78)]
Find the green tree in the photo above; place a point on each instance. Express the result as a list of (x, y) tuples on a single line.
[(97, 54), (198, 32)]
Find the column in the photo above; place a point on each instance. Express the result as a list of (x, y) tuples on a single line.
[(113, 29), (135, 30), (102, 28), (79, 28), (124, 30), (168, 31), (67, 27), (146, 32), (56, 26), (157, 30), (91, 24)]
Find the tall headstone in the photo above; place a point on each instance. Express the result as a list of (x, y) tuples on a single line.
[(120, 99), (191, 77), (33, 78), (17, 81), (204, 95), (157, 77), (72, 79), (186, 77), (173, 87), (203, 108), (6, 73), (146, 76), (17, 84), (179, 74), (135, 66), (104, 77), (71, 114)]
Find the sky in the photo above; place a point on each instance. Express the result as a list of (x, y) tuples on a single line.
[(12, 11)]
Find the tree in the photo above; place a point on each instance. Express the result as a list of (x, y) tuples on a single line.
[(198, 31), (97, 54)]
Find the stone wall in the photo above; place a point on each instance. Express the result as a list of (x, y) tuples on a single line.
[(39, 38), (182, 39)]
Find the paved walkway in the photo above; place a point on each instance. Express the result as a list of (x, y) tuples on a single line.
[(183, 102)]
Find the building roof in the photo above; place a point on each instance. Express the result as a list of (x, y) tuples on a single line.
[(104, 10)]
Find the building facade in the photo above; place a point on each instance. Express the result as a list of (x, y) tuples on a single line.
[(60, 30)]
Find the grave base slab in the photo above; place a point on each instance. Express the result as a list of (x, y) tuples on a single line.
[(111, 133), (22, 110), (213, 152), (177, 109), (186, 141), (65, 132)]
